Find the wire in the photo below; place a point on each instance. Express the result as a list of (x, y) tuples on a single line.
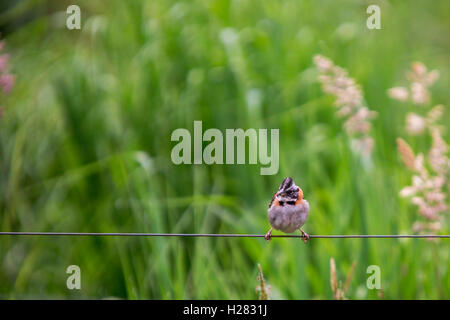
[(213, 235)]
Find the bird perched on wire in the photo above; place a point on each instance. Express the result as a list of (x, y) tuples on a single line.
[(288, 210)]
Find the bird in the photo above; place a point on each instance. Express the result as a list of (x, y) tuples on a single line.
[(288, 210)]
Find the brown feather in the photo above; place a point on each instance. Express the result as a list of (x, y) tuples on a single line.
[(273, 199)]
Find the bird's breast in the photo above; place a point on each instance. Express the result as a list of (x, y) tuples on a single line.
[(288, 218)]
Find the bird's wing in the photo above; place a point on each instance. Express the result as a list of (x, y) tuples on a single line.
[(273, 198)]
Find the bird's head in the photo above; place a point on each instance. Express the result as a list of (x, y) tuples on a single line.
[(289, 191)]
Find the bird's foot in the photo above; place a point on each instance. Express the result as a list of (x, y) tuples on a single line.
[(268, 235), (305, 236)]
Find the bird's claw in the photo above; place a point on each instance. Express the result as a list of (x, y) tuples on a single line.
[(268, 235), (305, 236)]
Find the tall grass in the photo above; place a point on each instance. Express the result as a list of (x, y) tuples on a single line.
[(85, 146)]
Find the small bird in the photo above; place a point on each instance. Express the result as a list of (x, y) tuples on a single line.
[(288, 210)]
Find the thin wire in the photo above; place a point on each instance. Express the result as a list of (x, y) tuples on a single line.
[(214, 235)]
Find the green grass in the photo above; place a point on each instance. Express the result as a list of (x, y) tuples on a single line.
[(85, 146)]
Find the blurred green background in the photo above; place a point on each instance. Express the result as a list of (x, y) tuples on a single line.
[(85, 147)]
